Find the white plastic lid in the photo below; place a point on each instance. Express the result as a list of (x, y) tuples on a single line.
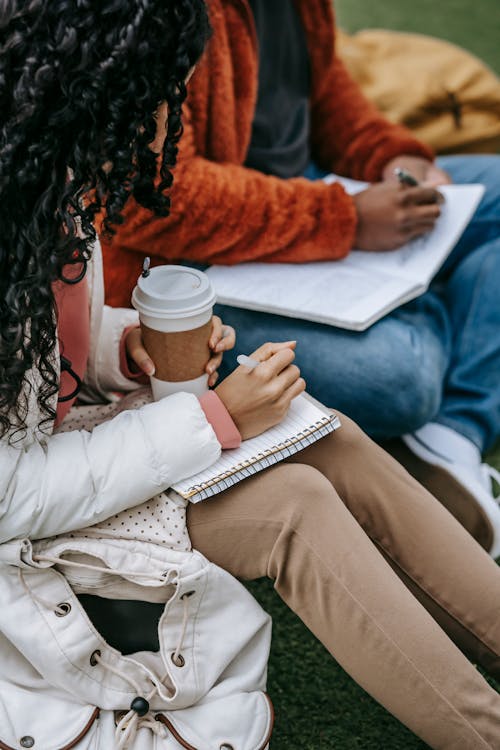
[(173, 292)]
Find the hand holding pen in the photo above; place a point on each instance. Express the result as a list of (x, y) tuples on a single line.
[(395, 211), (389, 216), (427, 173), (258, 394)]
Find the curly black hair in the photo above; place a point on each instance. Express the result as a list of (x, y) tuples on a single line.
[(80, 86)]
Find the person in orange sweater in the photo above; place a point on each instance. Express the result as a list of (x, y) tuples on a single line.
[(270, 99)]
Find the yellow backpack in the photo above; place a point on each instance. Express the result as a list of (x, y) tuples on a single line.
[(445, 95)]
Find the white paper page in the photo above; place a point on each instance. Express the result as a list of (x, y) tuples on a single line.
[(350, 186), (335, 293), (420, 260), (354, 292), (302, 415)]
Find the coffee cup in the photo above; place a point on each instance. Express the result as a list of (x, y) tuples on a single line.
[(175, 306)]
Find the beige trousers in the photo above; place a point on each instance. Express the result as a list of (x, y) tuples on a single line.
[(355, 547)]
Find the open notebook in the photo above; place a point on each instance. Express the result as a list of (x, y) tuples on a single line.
[(354, 292), (306, 422)]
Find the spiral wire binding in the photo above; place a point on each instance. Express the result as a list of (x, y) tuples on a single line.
[(262, 460)]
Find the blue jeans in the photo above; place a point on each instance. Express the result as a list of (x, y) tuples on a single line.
[(436, 358)]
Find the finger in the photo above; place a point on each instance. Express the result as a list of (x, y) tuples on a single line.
[(137, 353), (228, 339), (216, 333), (213, 379), (275, 364), (213, 364), (419, 215), (436, 182), (416, 232), (143, 362), (436, 176), (286, 378), (292, 392), (428, 212), (417, 226), (420, 196), (266, 351)]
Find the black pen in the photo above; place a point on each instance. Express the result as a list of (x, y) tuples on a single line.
[(408, 180), (405, 178)]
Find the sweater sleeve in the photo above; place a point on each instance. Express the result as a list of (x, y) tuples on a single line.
[(349, 135), (225, 213)]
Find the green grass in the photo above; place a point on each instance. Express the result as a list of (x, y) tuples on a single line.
[(318, 707), (494, 457), (474, 26)]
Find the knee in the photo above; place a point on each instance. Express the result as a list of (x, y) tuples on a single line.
[(481, 264), (350, 439), (487, 166), (303, 492), (419, 402), (415, 399), (483, 168), (306, 503)]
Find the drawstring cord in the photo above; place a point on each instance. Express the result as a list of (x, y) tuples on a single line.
[(128, 726), (139, 716), (132, 721), (127, 729), (58, 609), (163, 578), (177, 653)]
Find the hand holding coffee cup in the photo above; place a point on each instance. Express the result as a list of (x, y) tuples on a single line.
[(222, 339), (178, 331)]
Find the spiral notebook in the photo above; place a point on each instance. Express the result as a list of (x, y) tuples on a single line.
[(307, 421)]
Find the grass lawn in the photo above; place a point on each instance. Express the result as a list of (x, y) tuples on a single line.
[(474, 26), (318, 707)]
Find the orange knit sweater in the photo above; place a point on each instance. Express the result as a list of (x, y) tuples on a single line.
[(223, 212)]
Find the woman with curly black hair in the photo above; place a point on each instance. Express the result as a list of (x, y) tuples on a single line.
[(77, 89), (83, 87), (113, 631)]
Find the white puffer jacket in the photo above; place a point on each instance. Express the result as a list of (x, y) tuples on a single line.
[(61, 685)]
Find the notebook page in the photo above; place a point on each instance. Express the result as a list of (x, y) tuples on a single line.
[(335, 293), (354, 292), (350, 186), (303, 417), (419, 260)]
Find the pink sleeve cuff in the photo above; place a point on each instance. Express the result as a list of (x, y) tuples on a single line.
[(218, 416), (124, 362)]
